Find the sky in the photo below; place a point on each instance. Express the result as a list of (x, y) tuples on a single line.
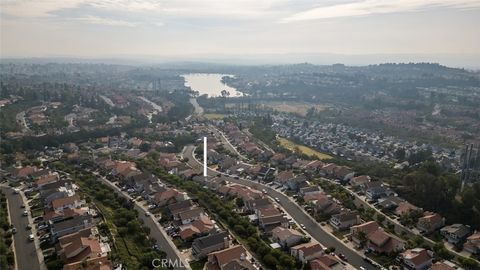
[(255, 30)]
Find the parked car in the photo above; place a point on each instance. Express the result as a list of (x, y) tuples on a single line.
[(25, 213), (342, 256), (31, 237), (302, 226), (14, 230)]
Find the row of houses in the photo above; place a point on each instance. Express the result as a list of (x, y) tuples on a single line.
[(184, 218), (68, 222)]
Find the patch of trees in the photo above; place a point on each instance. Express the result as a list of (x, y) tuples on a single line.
[(433, 189), (7, 258)]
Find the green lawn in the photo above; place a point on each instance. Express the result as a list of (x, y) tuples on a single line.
[(302, 149)]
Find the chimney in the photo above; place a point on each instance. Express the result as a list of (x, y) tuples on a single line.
[(226, 242)]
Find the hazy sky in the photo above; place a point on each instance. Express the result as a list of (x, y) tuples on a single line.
[(113, 28)]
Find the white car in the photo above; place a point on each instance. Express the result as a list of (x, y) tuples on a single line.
[(25, 213), (302, 226), (31, 237)]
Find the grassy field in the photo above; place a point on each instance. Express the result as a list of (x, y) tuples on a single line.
[(302, 148), (214, 116), (299, 108)]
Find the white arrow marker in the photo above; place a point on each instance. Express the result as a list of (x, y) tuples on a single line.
[(205, 156)]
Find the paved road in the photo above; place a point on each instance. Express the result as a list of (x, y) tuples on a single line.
[(227, 143), (295, 211), (156, 231), (25, 252)]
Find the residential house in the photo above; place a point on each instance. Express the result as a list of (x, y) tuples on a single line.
[(405, 208), (23, 172), (167, 196), (376, 191), (283, 177), (299, 181), (472, 244), (359, 180), (430, 222), (202, 246), (52, 216), (342, 173), (286, 237), (240, 191), (202, 225), (359, 233), (326, 206), (97, 263), (231, 258), (69, 226), (189, 216), (313, 166), (270, 217), (307, 251), (47, 179), (178, 207), (308, 189), (326, 262), (390, 203), (344, 220), (416, 259), (254, 204), (455, 233), (277, 159), (71, 202), (80, 246), (445, 265), (380, 241), (329, 169)]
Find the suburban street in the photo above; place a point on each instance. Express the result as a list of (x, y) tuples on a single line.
[(294, 210), (156, 231), (25, 252)]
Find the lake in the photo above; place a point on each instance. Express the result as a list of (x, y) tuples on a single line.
[(209, 83)]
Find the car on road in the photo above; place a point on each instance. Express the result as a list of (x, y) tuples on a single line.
[(277, 199), (29, 227), (16, 191), (42, 226), (31, 237), (362, 268), (264, 191), (147, 214), (22, 205), (25, 213), (14, 230), (342, 256), (302, 226)]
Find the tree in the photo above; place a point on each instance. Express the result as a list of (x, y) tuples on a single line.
[(144, 147)]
